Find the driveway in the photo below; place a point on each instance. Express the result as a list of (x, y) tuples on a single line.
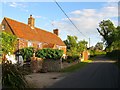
[(101, 73), (43, 80)]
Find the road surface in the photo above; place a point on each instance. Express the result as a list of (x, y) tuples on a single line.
[(102, 73)]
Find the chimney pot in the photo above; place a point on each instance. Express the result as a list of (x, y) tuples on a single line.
[(31, 21), (55, 31)]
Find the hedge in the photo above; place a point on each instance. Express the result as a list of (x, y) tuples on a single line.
[(49, 53)]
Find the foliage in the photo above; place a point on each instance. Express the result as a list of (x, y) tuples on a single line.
[(99, 46), (110, 34), (9, 42), (11, 77), (95, 53), (74, 67), (73, 58), (115, 54), (49, 53), (26, 52), (74, 47), (106, 29)]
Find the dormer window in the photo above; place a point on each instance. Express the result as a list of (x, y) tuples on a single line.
[(3, 27)]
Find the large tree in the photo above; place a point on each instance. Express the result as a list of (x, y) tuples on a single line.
[(110, 34), (75, 47), (105, 30), (99, 46)]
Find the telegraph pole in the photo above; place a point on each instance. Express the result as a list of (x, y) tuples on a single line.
[(89, 42)]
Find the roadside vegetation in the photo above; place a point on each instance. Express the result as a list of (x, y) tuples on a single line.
[(111, 39), (11, 76), (76, 67)]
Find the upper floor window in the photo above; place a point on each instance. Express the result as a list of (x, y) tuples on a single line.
[(30, 44)]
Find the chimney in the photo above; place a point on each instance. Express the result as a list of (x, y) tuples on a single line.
[(31, 21), (55, 31)]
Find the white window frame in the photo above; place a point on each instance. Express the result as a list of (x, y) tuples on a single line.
[(3, 27), (30, 44), (39, 45)]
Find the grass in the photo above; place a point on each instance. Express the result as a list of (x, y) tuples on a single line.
[(76, 66), (118, 64)]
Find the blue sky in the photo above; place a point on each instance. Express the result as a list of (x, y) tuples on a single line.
[(85, 15)]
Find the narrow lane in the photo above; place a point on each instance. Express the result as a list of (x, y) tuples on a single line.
[(101, 73)]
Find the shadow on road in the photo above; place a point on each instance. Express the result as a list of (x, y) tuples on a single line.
[(101, 73)]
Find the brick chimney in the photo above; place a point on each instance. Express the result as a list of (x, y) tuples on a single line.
[(55, 31), (31, 21)]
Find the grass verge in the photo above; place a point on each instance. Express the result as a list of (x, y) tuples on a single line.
[(76, 66), (118, 64)]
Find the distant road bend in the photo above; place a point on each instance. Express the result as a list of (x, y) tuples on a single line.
[(102, 73)]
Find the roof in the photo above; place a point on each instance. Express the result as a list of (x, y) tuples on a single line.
[(24, 31)]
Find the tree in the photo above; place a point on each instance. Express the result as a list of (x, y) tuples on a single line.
[(82, 45), (106, 29), (99, 46), (71, 41), (9, 42), (75, 47)]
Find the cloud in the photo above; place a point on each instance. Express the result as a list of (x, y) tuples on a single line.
[(87, 20), (13, 4), (16, 4), (22, 6), (38, 16)]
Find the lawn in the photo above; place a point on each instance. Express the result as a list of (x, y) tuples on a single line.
[(76, 66), (118, 64)]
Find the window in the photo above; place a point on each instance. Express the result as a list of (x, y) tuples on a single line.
[(30, 44), (58, 47), (39, 45), (3, 27)]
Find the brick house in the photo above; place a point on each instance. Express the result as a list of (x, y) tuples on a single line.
[(30, 36)]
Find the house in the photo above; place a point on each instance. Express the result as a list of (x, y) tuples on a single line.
[(30, 36)]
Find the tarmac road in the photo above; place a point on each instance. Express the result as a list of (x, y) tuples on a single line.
[(101, 73)]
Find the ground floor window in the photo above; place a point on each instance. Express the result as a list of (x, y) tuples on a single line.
[(30, 44)]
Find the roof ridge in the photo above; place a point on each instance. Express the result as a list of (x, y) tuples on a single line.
[(27, 25), (37, 34)]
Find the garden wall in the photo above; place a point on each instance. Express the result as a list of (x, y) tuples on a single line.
[(52, 65)]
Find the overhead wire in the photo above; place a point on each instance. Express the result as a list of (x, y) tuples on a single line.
[(69, 18)]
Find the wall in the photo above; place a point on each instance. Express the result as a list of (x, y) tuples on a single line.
[(52, 65), (7, 28)]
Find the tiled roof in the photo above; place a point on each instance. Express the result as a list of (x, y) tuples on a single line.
[(24, 31)]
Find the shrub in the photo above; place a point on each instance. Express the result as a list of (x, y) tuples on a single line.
[(73, 58), (114, 54), (27, 53), (11, 77), (49, 53)]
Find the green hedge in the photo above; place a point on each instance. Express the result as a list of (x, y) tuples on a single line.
[(95, 53), (49, 53), (115, 54), (27, 53)]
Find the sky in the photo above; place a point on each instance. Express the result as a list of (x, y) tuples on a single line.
[(48, 16)]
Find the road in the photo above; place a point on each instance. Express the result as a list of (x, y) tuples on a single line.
[(101, 73)]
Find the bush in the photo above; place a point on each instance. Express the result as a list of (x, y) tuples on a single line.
[(49, 53), (11, 77), (27, 53), (95, 53), (115, 54), (73, 58)]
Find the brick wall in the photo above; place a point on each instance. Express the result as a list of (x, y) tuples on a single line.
[(85, 55), (7, 28)]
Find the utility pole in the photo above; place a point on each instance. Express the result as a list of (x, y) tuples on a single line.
[(89, 42)]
